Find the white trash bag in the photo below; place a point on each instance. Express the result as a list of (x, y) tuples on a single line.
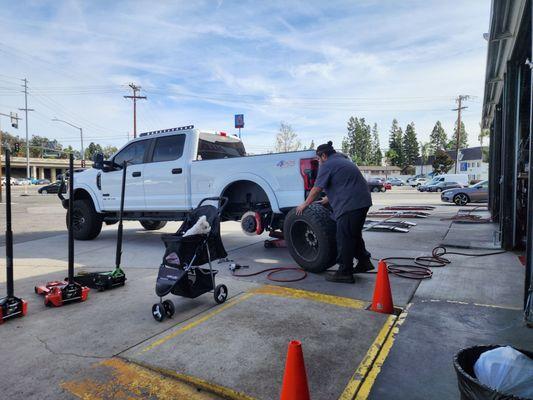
[(506, 370)]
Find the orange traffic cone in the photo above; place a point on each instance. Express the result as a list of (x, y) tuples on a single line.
[(382, 300), (294, 385)]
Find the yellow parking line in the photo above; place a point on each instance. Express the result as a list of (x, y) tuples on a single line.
[(196, 322), (118, 379), (366, 364), (314, 296), (364, 389), (221, 391)]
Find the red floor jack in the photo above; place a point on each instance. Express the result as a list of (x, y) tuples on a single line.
[(10, 306), (277, 242), (59, 293)]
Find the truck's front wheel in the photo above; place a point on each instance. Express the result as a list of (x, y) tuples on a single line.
[(87, 222), (153, 225), (310, 238)]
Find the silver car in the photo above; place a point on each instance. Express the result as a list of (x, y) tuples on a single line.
[(442, 186), (478, 193)]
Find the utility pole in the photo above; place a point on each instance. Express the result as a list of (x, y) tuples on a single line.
[(136, 89), (15, 124), (460, 107), (26, 109)]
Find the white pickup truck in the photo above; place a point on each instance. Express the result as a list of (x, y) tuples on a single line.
[(171, 170)]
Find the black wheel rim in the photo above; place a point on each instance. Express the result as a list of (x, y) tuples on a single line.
[(304, 240), (78, 220)]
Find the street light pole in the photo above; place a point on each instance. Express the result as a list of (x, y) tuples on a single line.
[(81, 135)]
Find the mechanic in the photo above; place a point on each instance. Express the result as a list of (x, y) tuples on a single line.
[(348, 194)]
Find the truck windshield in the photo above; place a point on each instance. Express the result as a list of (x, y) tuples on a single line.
[(212, 149)]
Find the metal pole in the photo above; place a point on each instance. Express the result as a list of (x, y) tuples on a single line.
[(71, 219), (121, 212), (27, 139), (82, 150), (134, 115), (9, 232)]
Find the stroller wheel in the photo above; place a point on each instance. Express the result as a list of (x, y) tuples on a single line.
[(221, 294), (168, 305), (158, 312)]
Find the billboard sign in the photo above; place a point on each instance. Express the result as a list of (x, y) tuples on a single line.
[(239, 121)]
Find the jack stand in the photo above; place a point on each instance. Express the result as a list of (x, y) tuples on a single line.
[(59, 293), (10, 306), (109, 279), (278, 241)]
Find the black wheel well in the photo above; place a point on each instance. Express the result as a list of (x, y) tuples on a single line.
[(244, 196), (82, 194)]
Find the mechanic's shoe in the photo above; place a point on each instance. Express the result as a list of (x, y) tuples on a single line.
[(363, 266), (341, 277)]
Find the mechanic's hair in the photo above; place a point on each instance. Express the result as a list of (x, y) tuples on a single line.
[(326, 149)]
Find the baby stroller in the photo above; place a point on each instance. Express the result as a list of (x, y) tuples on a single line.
[(179, 272)]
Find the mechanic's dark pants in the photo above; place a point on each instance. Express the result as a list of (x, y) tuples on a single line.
[(350, 241)]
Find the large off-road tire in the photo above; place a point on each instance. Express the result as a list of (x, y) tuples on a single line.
[(153, 225), (310, 238), (87, 222)]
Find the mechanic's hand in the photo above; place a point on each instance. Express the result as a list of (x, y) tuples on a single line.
[(300, 209), (324, 200)]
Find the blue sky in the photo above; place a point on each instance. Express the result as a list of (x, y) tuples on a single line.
[(311, 64)]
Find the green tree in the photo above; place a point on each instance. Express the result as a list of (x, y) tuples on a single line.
[(410, 145), (396, 144), (10, 140), (108, 151), (377, 156), (463, 140), (483, 134), (442, 163), (92, 150), (357, 143), (287, 139), (69, 149), (41, 147), (438, 140)]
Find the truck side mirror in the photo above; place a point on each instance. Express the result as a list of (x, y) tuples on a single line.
[(98, 160)]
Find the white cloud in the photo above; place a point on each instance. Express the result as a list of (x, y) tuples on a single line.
[(311, 64)]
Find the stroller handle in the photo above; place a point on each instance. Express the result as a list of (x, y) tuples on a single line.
[(222, 202)]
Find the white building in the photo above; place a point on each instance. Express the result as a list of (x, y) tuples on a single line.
[(471, 162)]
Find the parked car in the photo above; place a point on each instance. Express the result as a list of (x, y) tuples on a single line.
[(395, 181), (22, 181), (478, 193), (12, 181), (376, 185), (417, 182), (387, 185), (52, 188), (441, 186), (43, 182)]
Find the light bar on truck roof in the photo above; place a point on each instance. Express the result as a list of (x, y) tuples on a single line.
[(180, 128)]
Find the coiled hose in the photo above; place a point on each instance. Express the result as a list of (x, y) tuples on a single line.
[(420, 267)]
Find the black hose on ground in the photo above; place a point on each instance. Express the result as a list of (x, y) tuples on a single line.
[(420, 267), (277, 270)]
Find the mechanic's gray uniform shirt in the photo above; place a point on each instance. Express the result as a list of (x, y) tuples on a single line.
[(344, 184)]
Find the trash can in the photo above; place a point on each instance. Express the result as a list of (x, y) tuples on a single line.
[(469, 386)]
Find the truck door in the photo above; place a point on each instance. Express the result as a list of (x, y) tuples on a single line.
[(165, 175), (135, 154)]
